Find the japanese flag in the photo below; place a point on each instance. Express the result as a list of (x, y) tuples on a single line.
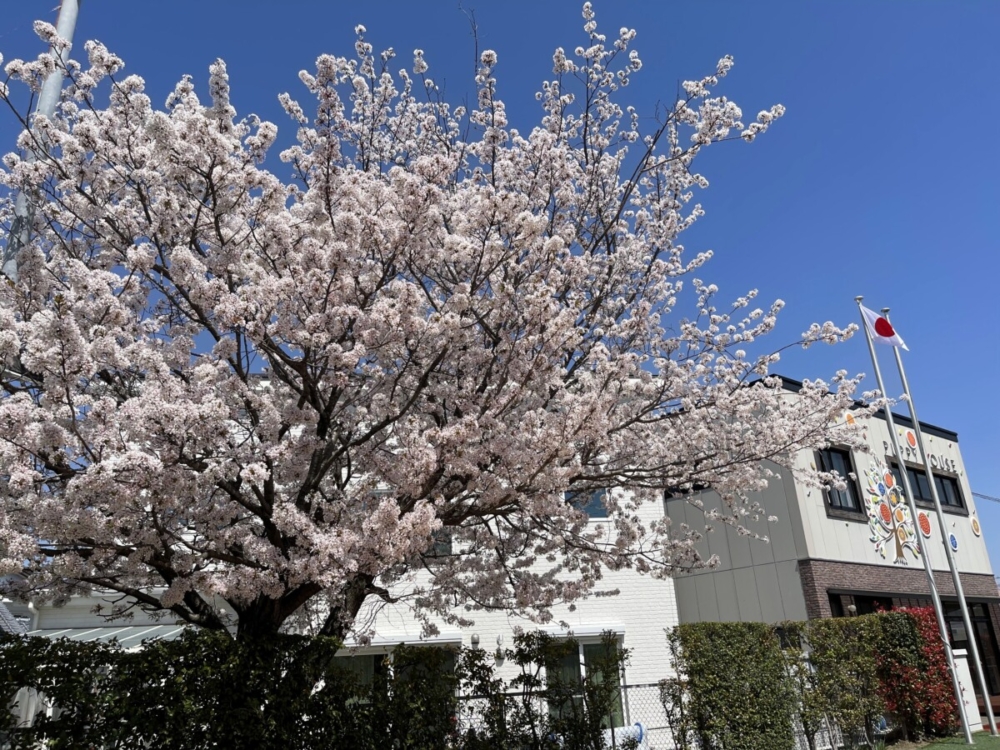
[(881, 330)]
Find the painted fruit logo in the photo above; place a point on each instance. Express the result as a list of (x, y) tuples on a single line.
[(892, 529), (924, 523), (976, 528)]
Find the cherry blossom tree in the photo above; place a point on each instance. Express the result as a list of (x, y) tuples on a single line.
[(221, 384)]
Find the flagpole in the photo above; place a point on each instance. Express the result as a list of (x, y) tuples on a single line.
[(47, 100), (935, 599), (949, 554)]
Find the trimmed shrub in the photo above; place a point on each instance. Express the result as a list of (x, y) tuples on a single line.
[(742, 685), (737, 692), (206, 690)]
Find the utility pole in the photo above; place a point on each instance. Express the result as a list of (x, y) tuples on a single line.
[(48, 99)]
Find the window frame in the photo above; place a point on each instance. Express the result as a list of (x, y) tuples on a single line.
[(853, 487), (918, 472), (582, 643)]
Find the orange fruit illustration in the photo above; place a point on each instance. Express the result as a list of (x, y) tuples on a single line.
[(925, 524), (886, 514), (889, 479)]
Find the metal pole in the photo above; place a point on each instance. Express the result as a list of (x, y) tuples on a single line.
[(935, 599), (20, 229), (959, 592)]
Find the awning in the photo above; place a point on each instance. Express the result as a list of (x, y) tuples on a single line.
[(129, 637)]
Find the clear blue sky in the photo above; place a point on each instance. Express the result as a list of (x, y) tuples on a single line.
[(881, 180)]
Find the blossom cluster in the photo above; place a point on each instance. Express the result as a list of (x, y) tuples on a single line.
[(223, 383)]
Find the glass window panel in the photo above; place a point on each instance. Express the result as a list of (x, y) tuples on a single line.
[(566, 674), (924, 487), (590, 502), (362, 667), (948, 491), (839, 461), (593, 656)]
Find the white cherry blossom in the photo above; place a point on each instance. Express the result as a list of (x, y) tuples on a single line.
[(278, 390)]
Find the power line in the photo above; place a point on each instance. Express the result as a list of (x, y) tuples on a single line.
[(991, 498)]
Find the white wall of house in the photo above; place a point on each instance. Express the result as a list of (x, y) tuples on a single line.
[(640, 614)]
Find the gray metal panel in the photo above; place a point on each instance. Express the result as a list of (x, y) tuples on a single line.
[(686, 595), (708, 609), (792, 598), (709, 544), (761, 552), (793, 496), (718, 544), (739, 549), (779, 532), (746, 595), (725, 596), (769, 594)]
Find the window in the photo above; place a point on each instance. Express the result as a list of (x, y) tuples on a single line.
[(442, 543), (590, 502), (839, 461), (361, 669), (366, 672), (948, 491), (592, 662), (947, 487)]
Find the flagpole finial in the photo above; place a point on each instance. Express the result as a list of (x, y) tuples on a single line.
[(885, 311), (858, 298)]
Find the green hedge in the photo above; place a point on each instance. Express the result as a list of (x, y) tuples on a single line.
[(732, 691), (739, 686), (206, 690)]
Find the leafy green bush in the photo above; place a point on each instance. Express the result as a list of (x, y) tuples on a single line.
[(842, 653), (206, 690), (741, 685), (736, 691)]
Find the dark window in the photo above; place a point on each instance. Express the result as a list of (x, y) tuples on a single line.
[(836, 605), (569, 672), (839, 461), (590, 502), (948, 491), (870, 604), (362, 668), (947, 487), (442, 543)]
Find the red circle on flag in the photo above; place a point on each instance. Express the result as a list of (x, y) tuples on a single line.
[(882, 328)]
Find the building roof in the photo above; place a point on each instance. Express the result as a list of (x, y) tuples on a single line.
[(128, 637), (9, 623), (904, 421)]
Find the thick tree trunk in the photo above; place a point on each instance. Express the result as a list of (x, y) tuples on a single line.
[(340, 619), (261, 619)]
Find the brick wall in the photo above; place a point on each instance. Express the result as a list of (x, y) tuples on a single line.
[(820, 576)]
